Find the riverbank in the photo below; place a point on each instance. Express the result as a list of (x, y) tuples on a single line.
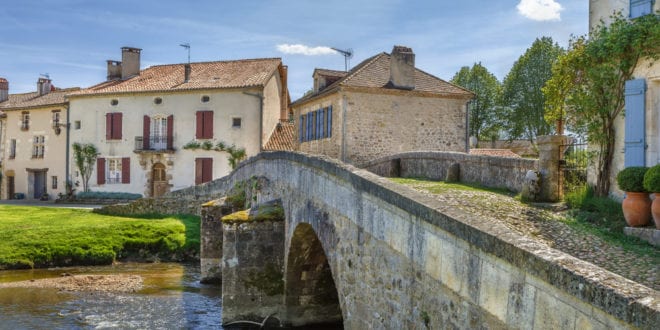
[(90, 283), (38, 237)]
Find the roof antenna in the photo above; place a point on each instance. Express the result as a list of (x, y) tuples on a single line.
[(186, 46), (45, 75), (348, 54)]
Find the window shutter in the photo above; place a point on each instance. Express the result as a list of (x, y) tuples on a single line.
[(635, 135), (108, 126), (199, 128), (100, 170), (116, 125), (126, 170), (640, 8), (208, 124), (170, 132), (322, 124), (300, 133), (146, 130), (207, 169), (318, 126), (309, 126), (329, 133), (198, 171)]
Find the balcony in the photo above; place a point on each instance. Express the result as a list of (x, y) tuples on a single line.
[(157, 144)]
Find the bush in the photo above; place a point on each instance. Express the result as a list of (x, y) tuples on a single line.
[(577, 197), (652, 179), (632, 179), (107, 195)]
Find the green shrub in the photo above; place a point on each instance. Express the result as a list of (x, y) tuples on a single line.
[(652, 179), (576, 198), (632, 179), (107, 195)]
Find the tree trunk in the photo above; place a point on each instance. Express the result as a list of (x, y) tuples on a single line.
[(602, 188)]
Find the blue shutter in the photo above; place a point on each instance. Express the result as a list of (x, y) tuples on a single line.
[(300, 134), (635, 135), (309, 126), (329, 133), (322, 123), (640, 8), (318, 124)]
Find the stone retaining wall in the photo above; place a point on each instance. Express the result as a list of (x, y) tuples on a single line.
[(488, 171)]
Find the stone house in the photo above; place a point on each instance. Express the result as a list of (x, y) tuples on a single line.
[(33, 138), (150, 126), (383, 106), (637, 141)]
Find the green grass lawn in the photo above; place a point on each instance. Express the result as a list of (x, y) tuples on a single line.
[(41, 237)]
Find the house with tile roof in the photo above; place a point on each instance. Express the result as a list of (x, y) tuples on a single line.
[(33, 141), (383, 106), (156, 128)]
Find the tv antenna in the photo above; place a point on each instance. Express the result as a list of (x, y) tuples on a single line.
[(45, 75), (348, 54), (186, 46)]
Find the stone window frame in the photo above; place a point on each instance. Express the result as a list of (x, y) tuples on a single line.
[(38, 146), (25, 120)]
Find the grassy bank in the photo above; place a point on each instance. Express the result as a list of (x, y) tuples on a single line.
[(42, 237)]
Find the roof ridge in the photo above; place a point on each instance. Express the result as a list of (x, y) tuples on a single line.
[(222, 61), (447, 82), (360, 67)]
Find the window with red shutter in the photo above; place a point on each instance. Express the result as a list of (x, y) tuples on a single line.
[(170, 132), (100, 170), (203, 170), (146, 128), (126, 170), (204, 129), (113, 123)]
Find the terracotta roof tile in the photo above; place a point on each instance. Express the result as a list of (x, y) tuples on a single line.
[(204, 75), (330, 73), (283, 138), (31, 100), (495, 152)]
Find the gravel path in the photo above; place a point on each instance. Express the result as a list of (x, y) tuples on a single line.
[(544, 225)]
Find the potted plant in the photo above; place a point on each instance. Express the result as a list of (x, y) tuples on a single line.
[(636, 205), (652, 184)]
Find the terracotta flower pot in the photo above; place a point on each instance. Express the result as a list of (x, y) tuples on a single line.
[(637, 208), (655, 210)]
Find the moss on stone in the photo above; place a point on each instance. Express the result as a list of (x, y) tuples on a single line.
[(270, 280), (243, 215), (269, 212)]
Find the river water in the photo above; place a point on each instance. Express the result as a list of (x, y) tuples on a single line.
[(172, 298)]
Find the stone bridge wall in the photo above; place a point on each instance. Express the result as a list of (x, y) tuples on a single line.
[(488, 171)]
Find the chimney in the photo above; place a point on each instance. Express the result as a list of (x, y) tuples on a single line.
[(114, 70), (4, 89), (43, 86), (402, 68), (186, 72), (130, 62)]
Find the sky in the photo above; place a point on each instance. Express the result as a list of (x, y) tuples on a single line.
[(70, 40)]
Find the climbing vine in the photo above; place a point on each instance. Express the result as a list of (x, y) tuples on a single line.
[(236, 154)]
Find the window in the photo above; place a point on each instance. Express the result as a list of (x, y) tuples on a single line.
[(315, 125), (12, 149), (640, 8), (114, 102), (236, 122), (204, 129), (56, 118), (113, 170), (53, 180), (158, 100), (205, 98), (113, 126), (76, 124), (301, 129), (25, 120), (38, 146), (203, 170)]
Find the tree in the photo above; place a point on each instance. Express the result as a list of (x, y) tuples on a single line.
[(85, 157), (483, 119), (522, 100), (588, 83)]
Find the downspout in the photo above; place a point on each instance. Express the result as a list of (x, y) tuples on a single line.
[(467, 127), (66, 170), (344, 105), (261, 118)]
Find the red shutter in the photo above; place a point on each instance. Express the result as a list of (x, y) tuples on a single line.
[(116, 126), (199, 132), (146, 129), (126, 170), (100, 170), (170, 132), (208, 124), (108, 126), (207, 169), (198, 170)]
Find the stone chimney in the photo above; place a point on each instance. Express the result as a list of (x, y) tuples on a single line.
[(130, 62), (114, 70), (43, 86), (186, 72), (402, 68), (4, 89)]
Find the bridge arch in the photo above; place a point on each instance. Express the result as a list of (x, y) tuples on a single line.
[(311, 293)]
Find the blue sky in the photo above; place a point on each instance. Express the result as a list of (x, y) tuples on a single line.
[(71, 39)]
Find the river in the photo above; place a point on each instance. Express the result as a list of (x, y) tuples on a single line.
[(172, 298)]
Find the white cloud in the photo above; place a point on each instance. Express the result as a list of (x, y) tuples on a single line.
[(540, 10), (305, 50)]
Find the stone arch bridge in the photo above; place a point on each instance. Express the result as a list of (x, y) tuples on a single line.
[(354, 248)]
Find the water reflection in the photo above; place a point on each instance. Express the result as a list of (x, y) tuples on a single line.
[(172, 298)]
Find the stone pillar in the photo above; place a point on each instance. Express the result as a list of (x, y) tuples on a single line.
[(252, 267), (549, 166), (210, 255)]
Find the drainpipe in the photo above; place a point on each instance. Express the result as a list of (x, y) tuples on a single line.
[(467, 127), (66, 171), (261, 118)]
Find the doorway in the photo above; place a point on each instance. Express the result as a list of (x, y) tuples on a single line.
[(159, 184), (39, 187), (11, 187)]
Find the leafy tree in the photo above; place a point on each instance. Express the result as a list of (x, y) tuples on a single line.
[(483, 118), (587, 86), (522, 99), (85, 157)]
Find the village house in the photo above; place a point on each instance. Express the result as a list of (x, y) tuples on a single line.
[(637, 141), (383, 106), (155, 129), (33, 139)]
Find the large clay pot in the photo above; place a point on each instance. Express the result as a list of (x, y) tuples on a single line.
[(637, 209), (655, 210)]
